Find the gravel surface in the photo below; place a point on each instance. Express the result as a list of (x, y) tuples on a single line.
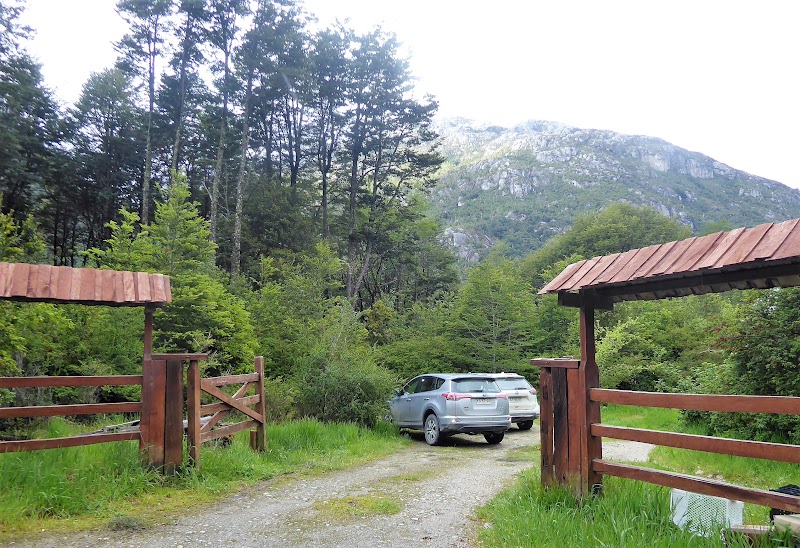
[(438, 489)]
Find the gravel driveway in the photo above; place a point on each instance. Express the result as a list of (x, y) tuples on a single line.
[(438, 489)]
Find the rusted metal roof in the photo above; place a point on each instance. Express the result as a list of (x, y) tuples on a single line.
[(764, 256), (62, 284)]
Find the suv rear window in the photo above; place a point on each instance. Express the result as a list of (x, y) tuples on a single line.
[(513, 383), (474, 385)]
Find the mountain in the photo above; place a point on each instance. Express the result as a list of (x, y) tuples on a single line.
[(524, 184)]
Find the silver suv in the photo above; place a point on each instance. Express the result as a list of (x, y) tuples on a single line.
[(446, 404), (522, 402)]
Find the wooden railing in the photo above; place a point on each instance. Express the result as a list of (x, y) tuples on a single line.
[(66, 410), (700, 402), (202, 429)]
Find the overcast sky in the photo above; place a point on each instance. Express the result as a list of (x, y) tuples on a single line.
[(717, 77)]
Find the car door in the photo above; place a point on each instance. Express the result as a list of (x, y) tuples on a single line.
[(419, 399), (402, 403)]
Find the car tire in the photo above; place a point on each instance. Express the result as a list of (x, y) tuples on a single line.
[(525, 425), (493, 438), (432, 433)]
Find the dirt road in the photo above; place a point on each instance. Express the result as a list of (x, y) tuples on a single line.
[(436, 489)]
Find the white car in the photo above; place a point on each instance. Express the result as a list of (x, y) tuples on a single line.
[(522, 403)]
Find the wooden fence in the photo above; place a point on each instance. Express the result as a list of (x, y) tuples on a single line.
[(66, 410), (572, 432), (202, 429)]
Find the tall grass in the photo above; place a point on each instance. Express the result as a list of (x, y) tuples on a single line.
[(629, 514), (92, 484)]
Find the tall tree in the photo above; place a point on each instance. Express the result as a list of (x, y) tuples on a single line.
[(389, 146), (224, 17), (140, 49)]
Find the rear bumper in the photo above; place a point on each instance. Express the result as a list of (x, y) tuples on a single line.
[(523, 418), (474, 425)]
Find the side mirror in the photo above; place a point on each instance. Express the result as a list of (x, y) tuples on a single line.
[(398, 392)]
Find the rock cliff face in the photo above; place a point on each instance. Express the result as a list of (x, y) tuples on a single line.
[(524, 184)]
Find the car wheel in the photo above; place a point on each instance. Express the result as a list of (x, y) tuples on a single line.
[(493, 438), (525, 425), (432, 434)]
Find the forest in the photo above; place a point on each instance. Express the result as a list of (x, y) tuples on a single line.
[(279, 174)]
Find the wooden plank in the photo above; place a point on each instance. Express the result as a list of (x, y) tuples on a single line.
[(591, 447), (575, 417), (119, 287), (747, 242), (633, 265), (4, 278), (566, 363), (790, 247), (156, 379), (87, 284), (231, 379), (105, 279), (675, 255), (782, 405), (696, 252), (546, 424), (193, 413), (129, 290), (180, 357), (142, 287), (168, 289), (65, 410), (38, 382), (64, 283), (725, 243), (212, 408), (699, 485), (173, 419), (157, 287), (261, 430), (19, 280), (8, 279), (620, 263), (599, 268), (219, 394), (559, 280), (228, 430), (586, 267), (72, 441), (560, 426), (773, 240), (709, 444), (33, 282), (654, 261)]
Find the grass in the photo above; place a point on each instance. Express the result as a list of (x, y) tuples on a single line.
[(105, 485), (629, 513), (349, 508)]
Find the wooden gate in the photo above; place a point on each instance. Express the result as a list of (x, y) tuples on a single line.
[(204, 420)]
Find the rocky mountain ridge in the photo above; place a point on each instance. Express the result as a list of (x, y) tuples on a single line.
[(524, 184)]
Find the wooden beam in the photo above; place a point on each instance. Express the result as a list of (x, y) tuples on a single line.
[(546, 424), (566, 363), (782, 405), (180, 357), (228, 430), (39, 382), (231, 379), (72, 441), (709, 444), (219, 394), (700, 485), (261, 431), (589, 378), (65, 410), (193, 413), (575, 300)]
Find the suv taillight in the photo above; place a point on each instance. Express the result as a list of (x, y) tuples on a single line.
[(532, 391), (502, 396), (454, 396)]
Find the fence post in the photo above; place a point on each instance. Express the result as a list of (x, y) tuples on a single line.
[(173, 417), (154, 380), (591, 446), (261, 433), (546, 424), (193, 413)]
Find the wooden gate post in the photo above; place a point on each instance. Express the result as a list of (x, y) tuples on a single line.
[(589, 377), (260, 441)]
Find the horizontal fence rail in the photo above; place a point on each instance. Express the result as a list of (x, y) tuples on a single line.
[(67, 410), (780, 405)]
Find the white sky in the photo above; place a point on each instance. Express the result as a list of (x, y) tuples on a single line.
[(715, 76)]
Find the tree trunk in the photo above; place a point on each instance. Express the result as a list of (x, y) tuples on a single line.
[(215, 184), (237, 221)]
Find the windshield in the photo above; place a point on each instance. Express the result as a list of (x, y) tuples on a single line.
[(513, 384), (475, 385)]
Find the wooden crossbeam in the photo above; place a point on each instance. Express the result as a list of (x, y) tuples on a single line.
[(233, 402)]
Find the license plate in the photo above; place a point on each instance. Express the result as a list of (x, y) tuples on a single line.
[(483, 401)]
